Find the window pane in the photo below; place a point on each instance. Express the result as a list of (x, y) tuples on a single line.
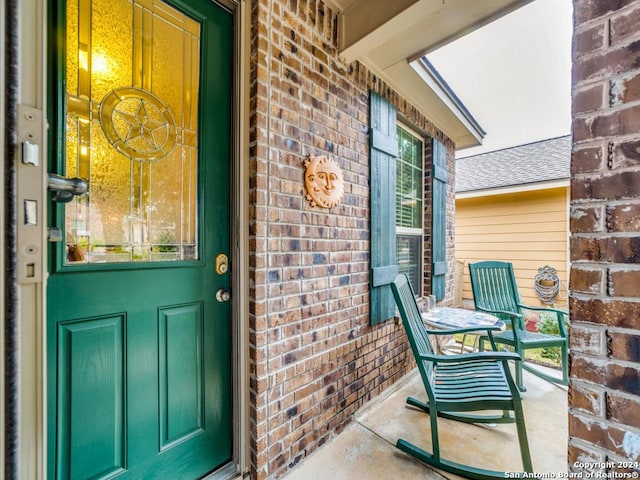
[(131, 124), (409, 181), (409, 207), (408, 254)]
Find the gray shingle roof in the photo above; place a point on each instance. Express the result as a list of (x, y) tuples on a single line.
[(541, 161)]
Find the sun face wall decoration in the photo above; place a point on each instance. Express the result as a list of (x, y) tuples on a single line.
[(324, 181)]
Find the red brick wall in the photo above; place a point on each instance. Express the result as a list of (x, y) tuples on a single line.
[(604, 419), (314, 358)]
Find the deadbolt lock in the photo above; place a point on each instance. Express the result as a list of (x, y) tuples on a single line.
[(222, 264)]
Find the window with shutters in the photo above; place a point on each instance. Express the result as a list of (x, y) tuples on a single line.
[(409, 206), (397, 179)]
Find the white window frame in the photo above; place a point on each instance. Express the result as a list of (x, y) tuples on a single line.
[(417, 232)]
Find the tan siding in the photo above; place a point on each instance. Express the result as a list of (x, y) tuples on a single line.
[(528, 229)]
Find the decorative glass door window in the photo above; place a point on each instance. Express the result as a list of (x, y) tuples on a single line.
[(409, 206), (131, 117)]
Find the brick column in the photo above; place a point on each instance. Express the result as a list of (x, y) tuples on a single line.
[(604, 392)]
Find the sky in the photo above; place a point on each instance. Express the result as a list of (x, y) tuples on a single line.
[(514, 75)]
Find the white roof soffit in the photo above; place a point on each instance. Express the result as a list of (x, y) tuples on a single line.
[(391, 36), (528, 187), (454, 118)]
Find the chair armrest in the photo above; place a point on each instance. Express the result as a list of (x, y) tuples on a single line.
[(543, 309), (502, 312), (471, 357), (463, 330), (516, 319)]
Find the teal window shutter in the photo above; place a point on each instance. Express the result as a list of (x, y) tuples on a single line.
[(439, 225), (383, 152)]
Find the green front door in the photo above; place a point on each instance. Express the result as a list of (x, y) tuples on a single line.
[(138, 325)]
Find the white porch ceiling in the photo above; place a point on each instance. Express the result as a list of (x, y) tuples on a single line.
[(390, 36)]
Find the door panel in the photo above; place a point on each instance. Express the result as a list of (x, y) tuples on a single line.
[(91, 379), (139, 348), (181, 373)]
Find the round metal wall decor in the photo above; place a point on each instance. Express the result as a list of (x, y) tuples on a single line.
[(324, 181), (137, 123)]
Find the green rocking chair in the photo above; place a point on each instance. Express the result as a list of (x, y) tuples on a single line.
[(495, 291), (470, 382)]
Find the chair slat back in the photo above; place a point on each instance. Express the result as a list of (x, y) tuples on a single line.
[(494, 286), (414, 326)]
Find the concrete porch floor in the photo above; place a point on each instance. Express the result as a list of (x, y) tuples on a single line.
[(366, 448)]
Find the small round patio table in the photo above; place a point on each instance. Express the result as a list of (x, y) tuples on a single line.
[(451, 318)]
